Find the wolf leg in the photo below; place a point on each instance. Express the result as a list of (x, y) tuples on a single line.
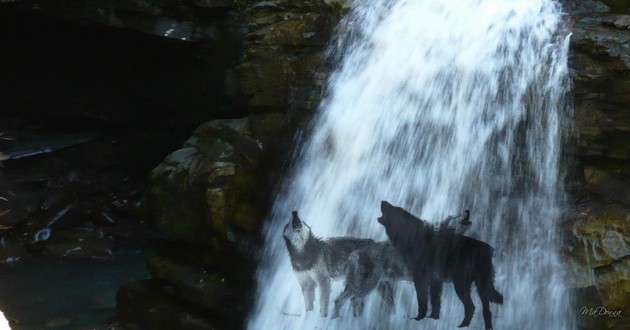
[(421, 296), (436, 298), (462, 288), (308, 291), (487, 314), (340, 300), (324, 297), (387, 293), (357, 306)]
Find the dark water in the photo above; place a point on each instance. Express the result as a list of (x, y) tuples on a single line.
[(80, 292), (99, 172)]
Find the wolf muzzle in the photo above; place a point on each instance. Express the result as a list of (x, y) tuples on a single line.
[(296, 223)]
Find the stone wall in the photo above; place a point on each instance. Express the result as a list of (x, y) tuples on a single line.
[(598, 220)]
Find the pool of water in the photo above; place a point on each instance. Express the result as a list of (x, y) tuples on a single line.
[(66, 293)]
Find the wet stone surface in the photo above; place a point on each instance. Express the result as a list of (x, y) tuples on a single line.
[(72, 223)]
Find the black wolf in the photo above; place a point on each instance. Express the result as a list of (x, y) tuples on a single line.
[(380, 266), (433, 257), (316, 262)]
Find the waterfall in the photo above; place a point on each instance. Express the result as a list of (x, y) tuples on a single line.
[(436, 106)]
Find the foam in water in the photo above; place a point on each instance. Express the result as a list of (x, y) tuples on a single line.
[(436, 106)]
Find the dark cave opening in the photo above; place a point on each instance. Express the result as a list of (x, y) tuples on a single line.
[(87, 112)]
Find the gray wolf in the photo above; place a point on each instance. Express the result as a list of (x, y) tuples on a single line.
[(380, 265), (433, 257), (317, 262), (371, 267)]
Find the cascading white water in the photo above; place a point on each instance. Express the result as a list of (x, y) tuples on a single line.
[(436, 106)]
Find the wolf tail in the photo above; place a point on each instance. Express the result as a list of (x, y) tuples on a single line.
[(485, 280), (496, 297)]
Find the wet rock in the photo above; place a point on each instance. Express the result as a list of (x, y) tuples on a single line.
[(195, 281), (612, 282), (588, 297), (597, 250), (619, 6), (58, 322), (214, 3), (617, 21), (581, 7), (80, 243), (283, 54), (225, 258), (10, 215), (600, 64), (220, 181), (601, 234), (12, 250), (604, 184), (150, 304)]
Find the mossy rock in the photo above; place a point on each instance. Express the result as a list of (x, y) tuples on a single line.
[(201, 275), (188, 194), (602, 234), (267, 83), (179, 212), (308, 29), (607, 185), (613, 282), (150, 304)]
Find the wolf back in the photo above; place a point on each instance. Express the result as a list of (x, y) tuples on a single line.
[(317, 262)]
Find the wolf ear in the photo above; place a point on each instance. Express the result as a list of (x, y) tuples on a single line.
[(385, 206)]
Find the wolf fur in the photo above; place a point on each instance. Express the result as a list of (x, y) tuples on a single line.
[(433, 257), (317, 262), (373, 266), (380, 266)]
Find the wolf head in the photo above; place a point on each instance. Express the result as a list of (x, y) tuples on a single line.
[(399, 224), (456, 224), (296, 233)]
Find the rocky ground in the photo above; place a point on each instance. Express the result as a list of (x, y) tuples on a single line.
[(73, 225)]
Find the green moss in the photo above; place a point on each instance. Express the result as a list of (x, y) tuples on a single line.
[(618, 6)]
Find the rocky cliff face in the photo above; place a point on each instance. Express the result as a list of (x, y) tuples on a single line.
[(210, 197), (597, 223)]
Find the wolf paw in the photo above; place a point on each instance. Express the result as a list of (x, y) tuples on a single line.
[(418, 318), (437, 317), (463, 325)]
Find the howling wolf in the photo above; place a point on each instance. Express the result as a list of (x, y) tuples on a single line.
[(316, 262), (433, 257), (380, 265)]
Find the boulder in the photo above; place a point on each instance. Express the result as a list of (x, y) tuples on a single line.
[(218, 185), (202, 276), (597, 247), (150, 304)]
